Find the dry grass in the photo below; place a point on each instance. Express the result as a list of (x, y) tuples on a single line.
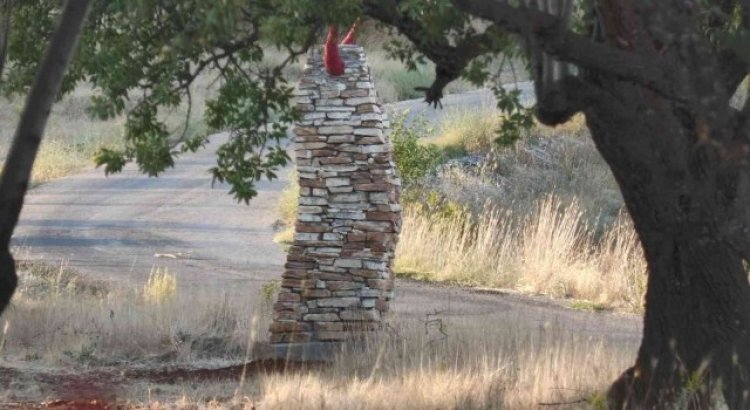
[(469, 131), (510, 368), (517, 177), (475, 366), (161, 286), (71, 139), (550, 251), (288, 203), (59, 318)]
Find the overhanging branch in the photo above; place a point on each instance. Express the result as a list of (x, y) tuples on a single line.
[(450, 60), (574, 48)]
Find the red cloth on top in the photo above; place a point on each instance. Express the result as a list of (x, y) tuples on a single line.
[(351, 36), (331, 56)]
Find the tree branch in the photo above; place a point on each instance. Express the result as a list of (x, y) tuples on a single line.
[(6, 9), (449, 60), (568, 46), (734, 68)]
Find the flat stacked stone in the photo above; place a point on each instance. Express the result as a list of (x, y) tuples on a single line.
[(338, 278)]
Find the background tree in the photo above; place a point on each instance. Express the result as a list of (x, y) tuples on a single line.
[(654, 80)]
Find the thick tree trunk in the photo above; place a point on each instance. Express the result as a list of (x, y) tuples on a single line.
[(695, 341), (695, 344)]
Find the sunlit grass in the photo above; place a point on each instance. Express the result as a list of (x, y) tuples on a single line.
[(58, 317), (475, 365), (161, 286), (466, 131), (550, 251)]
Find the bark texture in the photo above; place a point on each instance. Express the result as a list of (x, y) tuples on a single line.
[(20, 160), (695, 341)]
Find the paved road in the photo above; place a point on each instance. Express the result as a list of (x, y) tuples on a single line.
[(113, 228)]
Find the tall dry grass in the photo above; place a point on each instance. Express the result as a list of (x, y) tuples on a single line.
[(517, 177), (504, 368), (551, 250), (58, 318), (469, 131), (476, 365)]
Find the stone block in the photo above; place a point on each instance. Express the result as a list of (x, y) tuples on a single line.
[(336, 182), (316, 293), (335, 130), (342, 285), (329, 326), (369, 132), (348, 263), (284, 327), (374, 226), (339, 302), (333, 335), (361, 100), (341, 139)]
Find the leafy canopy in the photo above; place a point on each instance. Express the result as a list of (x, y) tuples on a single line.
[(142, 56)]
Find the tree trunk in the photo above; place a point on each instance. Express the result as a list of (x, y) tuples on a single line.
[(20, 160), (695, 337), (695, 343)]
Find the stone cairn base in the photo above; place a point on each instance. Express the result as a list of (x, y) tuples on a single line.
[(338, 279)]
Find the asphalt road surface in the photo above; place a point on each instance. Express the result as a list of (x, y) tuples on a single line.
[(117, 228)]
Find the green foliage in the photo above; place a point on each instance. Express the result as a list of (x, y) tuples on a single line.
[(517, 120), (142, 57), (269, 289), (437, 205), (597, 401), (414, 160)]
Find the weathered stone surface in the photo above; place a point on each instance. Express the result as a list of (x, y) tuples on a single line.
[(369, 132), (336, 130), (321, 317), (348, 263), (337, 280), (339, 302), (333, 182), (284, 327)]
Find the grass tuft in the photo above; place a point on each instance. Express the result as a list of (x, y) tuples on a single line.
[(161, 286), (467, 131)]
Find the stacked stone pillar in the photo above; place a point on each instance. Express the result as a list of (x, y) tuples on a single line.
[(338, 279)]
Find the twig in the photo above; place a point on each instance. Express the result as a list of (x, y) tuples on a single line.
[(562, 403)]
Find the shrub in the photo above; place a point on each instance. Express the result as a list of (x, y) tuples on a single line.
[(414, 160)]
